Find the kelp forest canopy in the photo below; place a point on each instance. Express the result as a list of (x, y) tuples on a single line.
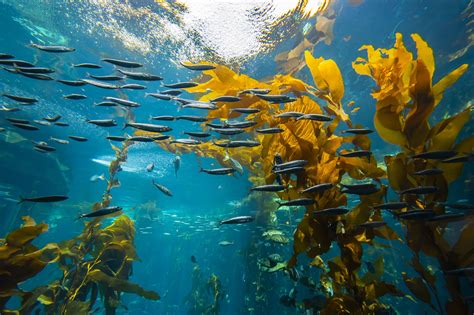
[(96, 265)]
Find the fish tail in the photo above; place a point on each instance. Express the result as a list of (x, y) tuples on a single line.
[(279, 204), (22, 199), (201, 169), (79, 217), (125, 125)]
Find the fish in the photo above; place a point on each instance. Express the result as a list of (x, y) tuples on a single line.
[(459, 206), (245, 110), (123, 63), (296, 202), (100, 212), (109, 77), (61, 124), (102, 122), (159, 96), (218, 171), (447, 217), (204, 106), (197, 134), (238, 220), (87, 65), (318, 188), (172, 92), (255, 91), (95, 178), (6, 56), (237, 144), (122, 101), (52, 198), (226, 99), (358, 131), (429, 172), (176, 164), (101, 85), (459, 271), (289, 115), (420, 190), (331, 211), (274, 98), (18, 121), (290, 164), (147, 127), (228, 131), (34, 69), (225, 243), (2, 129), (163, 189), (21, 99), (42, 122), (45, 147), (269, 130), (37, 76), (40, 150), (270, 188), (106, 104), (289, 170), (9, 109), (314, 117), (140, 75), (16, 62), (357, 153), (372, 224), (240, 124), (435, 155), (132, 86), (181, 85), (75, 96), (197, 67), (235, 164), (360, 189), (193, 259), (186, 141), (78, 139), (52, 119), (192, 118), (148, 138), (416, 214), (460, 159), (391, 206), (25, 126), (60, 141), (53, 49), (116, 138), (166, 118), (150, 167), (72, 82)]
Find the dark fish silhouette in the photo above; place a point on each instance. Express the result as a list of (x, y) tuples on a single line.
[(53, 198), (53, 49), (218, 171), (238, 220), (100, 212), (123, 63)]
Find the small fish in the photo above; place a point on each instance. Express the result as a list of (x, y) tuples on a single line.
[(95, 178), (290, 164), (163, 189), (355, 110), (197, 67), (148, 127), (18, 121), (289, 115), (459, 271), (61, 124), (434, 155), (275, 98), (16, 62), (460, 159), (372, 224), (159, 96), (197, 134), (296, 202), (226, 99), (269, 130), (60, 141), (429, 172), (121, 101), (45, 147), (331, 211), (52, 119), (72, 82), (87, 65), (102, 122), (245, 110), (314, 117), (37, 76), (176, 164), (6, 56), (25, 126), (240, 124), (101, 85), (218, 171), (34, 70), (420, 190), (40, 150), (109, 77), (255, 91), (42, 122), (9, 109), (141, 139), (448, 217), (166, 118), (225, 243), (193, 259), (360, 189), (317, 188), (358, 131), (116, 138), (78, 139), (21, 99), (133, 86), (459, 206), (192, 118), (203, 106), (75, 96), (106, 104), (181, 85), (100, 212), (357, 153), (237, 220), (172, 92), (53, 49), (140, 76), (186, 141), (270, 188), (290, 170), (237, 144), (53, 198), (228, 131), (123, 63), (417, 214), (150, 167), (391, 206)]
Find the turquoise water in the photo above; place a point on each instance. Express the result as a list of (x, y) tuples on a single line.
[(169, 230)]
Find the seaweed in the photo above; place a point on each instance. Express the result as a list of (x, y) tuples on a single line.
[(205, 296)]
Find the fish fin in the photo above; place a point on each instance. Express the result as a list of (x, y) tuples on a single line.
[(79, 217), (279, 204), (201, 169), (22, 199), (125, 125)]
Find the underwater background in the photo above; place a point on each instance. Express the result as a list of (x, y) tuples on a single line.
[(170, 254)]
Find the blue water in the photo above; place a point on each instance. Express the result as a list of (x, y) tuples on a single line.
[(171, 230)]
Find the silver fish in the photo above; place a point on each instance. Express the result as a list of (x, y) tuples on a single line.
[(163, 189)]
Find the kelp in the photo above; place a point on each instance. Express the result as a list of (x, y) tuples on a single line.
[(406, 97), (205, 296)]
